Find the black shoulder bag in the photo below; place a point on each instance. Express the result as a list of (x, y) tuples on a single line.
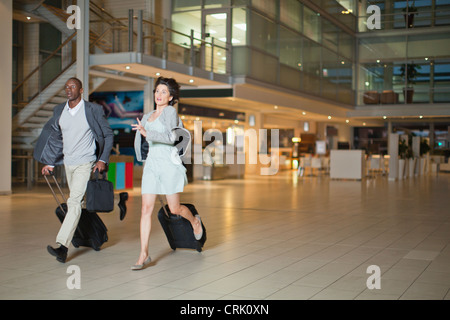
[(100, 194)]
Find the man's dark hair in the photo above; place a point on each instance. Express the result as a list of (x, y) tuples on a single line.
[(78, 81)]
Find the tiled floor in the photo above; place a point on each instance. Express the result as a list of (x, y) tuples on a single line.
[(278, 237)]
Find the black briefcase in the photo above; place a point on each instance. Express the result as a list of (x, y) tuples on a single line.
[(99, 194)]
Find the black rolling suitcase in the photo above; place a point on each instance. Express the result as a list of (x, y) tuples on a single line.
[(91, 231), (178, 230)]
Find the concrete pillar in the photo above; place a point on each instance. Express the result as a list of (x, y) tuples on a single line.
[(393, 156), (431, 136), (6, 19), (149, 104), (83, 47)]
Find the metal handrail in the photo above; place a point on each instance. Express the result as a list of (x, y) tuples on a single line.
[(43, 62), (122, 26)]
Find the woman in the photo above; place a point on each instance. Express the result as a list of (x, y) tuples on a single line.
[(163, 172)]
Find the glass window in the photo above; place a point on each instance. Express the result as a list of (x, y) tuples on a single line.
[(442, 16), (239, 28), (270, 63), (290, 78), (345, 72), (240, 2), (441, 82), (290, 48), (429, 45), (263, 34), (185, 5), (421, 82), (346, 45), (372, 75), (290, 14), (345, 82), (209, 4), (329, 73), (348, 4), (54, 3), (183, 22), (267, 7), (241, 60), (382, 48), (330, 35), (311, 24), (49, 37), (312, 54)]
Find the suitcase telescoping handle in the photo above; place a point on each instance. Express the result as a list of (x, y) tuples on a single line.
[(53, 192)]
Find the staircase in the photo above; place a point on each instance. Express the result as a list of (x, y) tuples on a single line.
[(27, 124)]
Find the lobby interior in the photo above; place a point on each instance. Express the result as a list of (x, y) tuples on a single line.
[(291, 235)]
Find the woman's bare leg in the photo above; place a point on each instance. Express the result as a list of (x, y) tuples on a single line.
[(148, 203), (173, 200)]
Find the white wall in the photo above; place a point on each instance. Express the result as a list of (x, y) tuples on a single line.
[(6, 18)]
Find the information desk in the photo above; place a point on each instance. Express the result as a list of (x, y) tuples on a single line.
[(347, 164)]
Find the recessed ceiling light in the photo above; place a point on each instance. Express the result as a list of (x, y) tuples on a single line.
[(158, 74), (304, 113), (28, 18), (127, 67), (347, 121), (384, 117), (191, 80), (276, 107), (329, 117)]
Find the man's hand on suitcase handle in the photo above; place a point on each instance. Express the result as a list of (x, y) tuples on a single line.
[(100, 166), (47, 170)]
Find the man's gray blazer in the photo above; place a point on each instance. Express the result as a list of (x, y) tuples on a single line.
[(49, 147)]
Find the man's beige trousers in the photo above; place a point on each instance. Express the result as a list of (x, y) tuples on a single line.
[(77, 179)]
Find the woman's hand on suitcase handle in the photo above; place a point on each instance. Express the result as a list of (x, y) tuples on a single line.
[(47, 170)]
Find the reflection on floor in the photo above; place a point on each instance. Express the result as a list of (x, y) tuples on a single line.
[(279, 237)]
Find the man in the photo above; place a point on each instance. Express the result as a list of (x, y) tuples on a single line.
[(78, 136)]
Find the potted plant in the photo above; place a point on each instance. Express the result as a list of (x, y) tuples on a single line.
[(402, 152), (424, 149), (411, 161), (409, 12), (409, 73)]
